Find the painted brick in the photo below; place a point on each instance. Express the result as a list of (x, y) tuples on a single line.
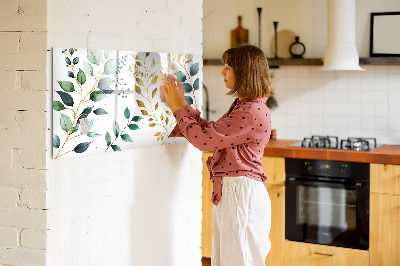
[(23, 139), (33, 120), (8, 6), (33, 7), (31, 80), (23, 218), (5, 159), (22, 22), (7, 80), (32, 53), (33, 159), (23, 178), (21, 100), (9, 42), (8, 197), (33, 239), (33, 199), (9, 237), (16, 256)]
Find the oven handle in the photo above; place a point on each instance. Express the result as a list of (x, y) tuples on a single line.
[(325, 254), (357, 185)]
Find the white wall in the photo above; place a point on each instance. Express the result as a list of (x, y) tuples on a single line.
[(305, 18), (137, 207), (311, 102)]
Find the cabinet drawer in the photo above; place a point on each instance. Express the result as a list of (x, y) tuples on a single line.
[(305, 254), (385, 178)]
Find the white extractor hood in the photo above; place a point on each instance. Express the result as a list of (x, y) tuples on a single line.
[(341, 51)]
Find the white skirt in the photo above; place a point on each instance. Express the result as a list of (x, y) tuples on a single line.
[(241, 223)]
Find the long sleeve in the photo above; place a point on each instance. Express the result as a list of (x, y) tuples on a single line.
[(229, 131), (193, 113)]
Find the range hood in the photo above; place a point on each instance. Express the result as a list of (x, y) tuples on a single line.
[(341, 51)]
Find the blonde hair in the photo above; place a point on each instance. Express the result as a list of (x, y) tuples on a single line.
[(250, 66)]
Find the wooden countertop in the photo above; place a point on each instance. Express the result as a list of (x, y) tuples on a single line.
[(389, 154)]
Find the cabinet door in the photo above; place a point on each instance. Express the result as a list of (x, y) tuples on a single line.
[(206, 232), (305, 254), (384, 236), (385, 178), (277, 233), (274, 168)]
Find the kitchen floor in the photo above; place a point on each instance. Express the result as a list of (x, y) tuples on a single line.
[(206, 261)]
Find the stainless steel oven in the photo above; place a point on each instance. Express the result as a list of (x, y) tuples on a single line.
[(327, 202)]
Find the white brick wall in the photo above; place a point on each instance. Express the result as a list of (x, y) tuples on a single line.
[(23, 132), (137, 207)]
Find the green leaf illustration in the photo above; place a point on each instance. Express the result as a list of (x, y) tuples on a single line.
[(66, 98), (100, 111), (188, 87), (75, 61), (90, 124), (104, 83), (97, 96), (94, 134), (58, 106), (126, 138), (68, 61), (194, 69), (88, 69), (71, 51), (75, 128), (94, 56), (111, 66), (133, 127), (189, 100), (136, 118), (196, 84), (115, 148), (127, 113), (82, 147), (71, 74), (181, 76), (67, 86), (65, 123), (108, 139), (116, 129), (81, 77), (85, 112), (56, 141)]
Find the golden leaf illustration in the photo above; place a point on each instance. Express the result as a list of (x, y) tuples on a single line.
[(188, 58), (152, 74), (179, 57), (166, 121), (153, 63), (156, 106), (154, 80), (152, 125), (139, 81), (144, 112), (172, 67), (154, 93), (157, 134), (158, 138), (140, 103), (138, 63), (161, 117), (137, 89), (151, 119), (162, 137), (147, 54), (169, 112)]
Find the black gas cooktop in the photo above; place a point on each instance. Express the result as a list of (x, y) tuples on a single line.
[(332, 142)]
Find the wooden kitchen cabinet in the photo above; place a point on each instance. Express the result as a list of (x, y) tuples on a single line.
[(384, 236), (306, 254), (206, 225)]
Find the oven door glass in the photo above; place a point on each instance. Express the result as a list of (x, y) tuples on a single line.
[(327, 214)]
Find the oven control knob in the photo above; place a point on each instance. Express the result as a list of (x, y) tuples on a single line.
[(343, 168)]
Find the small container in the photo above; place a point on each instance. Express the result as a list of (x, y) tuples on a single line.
[(273, 134)]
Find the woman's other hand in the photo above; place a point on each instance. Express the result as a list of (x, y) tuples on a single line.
[(181, 90), (171, 92)]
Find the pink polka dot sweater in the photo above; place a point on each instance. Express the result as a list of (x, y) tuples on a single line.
[(238, 139)]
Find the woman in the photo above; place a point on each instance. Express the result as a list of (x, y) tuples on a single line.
[(242, 209)]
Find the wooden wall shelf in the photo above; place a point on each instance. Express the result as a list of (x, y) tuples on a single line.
[(274, 63)]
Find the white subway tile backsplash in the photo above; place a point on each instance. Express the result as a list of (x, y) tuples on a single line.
[(394, 97), (394, 110), (381, 110), (381, 84), (367, 96)]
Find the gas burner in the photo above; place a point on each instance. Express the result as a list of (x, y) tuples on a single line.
[(327, 142), (358, 144)]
